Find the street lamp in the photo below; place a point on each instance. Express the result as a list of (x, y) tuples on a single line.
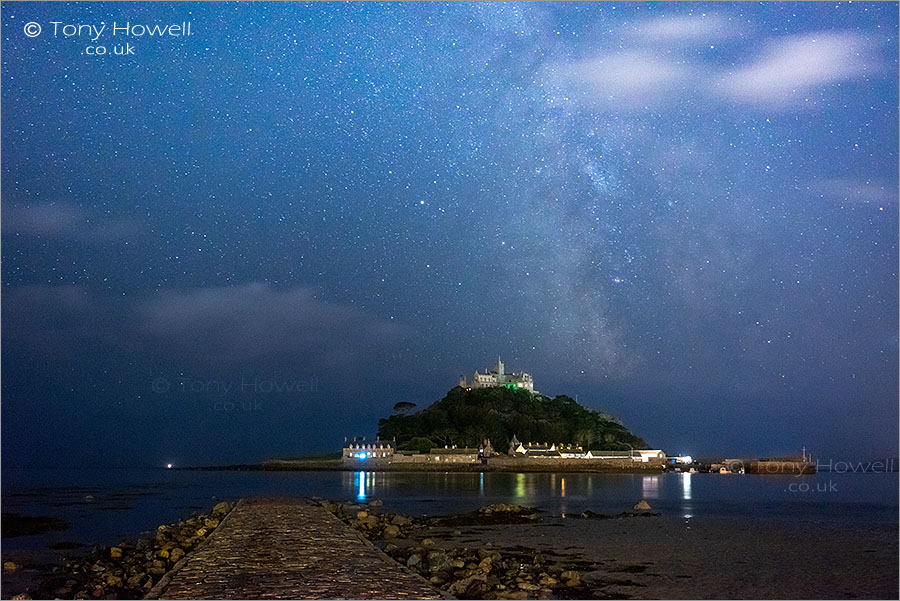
[(630, 452)]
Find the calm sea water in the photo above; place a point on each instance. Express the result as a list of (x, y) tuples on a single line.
[(105, 506)]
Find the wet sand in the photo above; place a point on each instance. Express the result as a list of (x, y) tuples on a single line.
[(671, 558)]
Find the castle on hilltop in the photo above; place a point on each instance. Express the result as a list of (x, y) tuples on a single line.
[(497, 377)]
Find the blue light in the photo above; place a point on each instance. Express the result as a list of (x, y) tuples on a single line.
[(362, 456), (362, 486)]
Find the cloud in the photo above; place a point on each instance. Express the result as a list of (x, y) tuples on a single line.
[(685, 29), (852, 190), (792, 67), (64, 220), (251, 325), (256, 322), (55, 322), (633, 77)]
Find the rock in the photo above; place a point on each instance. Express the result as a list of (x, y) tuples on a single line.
[(21, 596), (99, 592), (494, 555), (547, 580), (472, 587), (400, 520), (115, 552), (391, 549), (438, 560), (485, 565), (391, 531), (164, 553), (62, 591), (82, 595), (642, 506), (509, 509), (157, 568), (361, 515), (571, 576), (135, 581), (515, 595), (376, 503), (414, 561), (201, 532), (427, 542), (595, 578), (113, 581), (10, 566), (525, 586), (221, 509), (176, 554), (210, 523)]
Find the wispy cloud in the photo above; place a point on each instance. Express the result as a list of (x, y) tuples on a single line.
[(856, 190), (792, 67), (664, 61), (257, 322), (705, 28), (634, 77), (64, 220)]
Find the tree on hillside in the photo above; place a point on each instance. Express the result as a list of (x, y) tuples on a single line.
[(466, 417), (404, 407)]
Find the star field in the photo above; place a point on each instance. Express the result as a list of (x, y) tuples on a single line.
[(669, 210)]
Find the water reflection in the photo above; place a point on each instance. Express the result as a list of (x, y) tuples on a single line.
[(686, 485), (650, 487), (687, 505)]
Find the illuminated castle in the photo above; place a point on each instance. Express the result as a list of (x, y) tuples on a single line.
[(498, 377)]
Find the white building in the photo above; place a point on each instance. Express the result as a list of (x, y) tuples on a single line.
[(497, 377), (358, 450)]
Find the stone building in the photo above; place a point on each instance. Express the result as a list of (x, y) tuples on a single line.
[(498, 377)]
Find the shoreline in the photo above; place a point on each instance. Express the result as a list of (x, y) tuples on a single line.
[(300, 465), (533, 554)]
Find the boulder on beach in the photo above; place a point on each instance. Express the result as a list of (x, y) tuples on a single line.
[(221, 509), (642, 506)]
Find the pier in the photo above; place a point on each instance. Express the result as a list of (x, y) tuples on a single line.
[(289, 549)]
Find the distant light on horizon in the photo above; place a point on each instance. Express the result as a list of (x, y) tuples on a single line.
[(169, 466)]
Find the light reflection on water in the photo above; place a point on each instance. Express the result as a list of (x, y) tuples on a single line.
[(686, 506), (105, 505), (650, 487)]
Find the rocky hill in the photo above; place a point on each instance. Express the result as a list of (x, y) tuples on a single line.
[(467, 417)]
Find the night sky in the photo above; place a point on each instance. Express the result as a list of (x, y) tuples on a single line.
[(253, 241)]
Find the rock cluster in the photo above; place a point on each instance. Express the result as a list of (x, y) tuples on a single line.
[(465, 573), (503, 508), (129, 570)]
